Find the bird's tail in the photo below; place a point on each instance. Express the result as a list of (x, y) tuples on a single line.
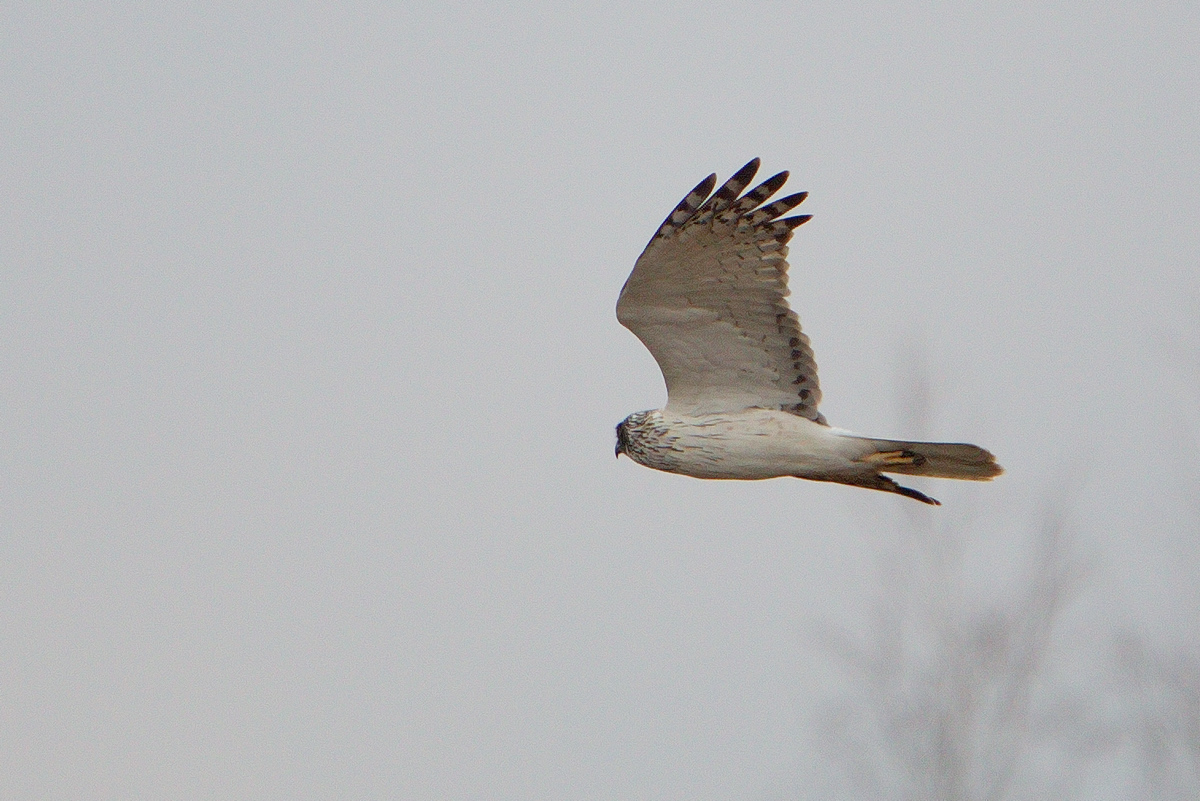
[(935, 459)]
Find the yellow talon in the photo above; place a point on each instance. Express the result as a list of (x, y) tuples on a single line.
[(894, 458)]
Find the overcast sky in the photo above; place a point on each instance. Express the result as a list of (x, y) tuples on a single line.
[(311, 371)]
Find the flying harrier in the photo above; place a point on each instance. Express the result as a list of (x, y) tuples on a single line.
[(708, 298)]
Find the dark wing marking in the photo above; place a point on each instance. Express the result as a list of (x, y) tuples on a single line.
[(723, 198), (686, 208)]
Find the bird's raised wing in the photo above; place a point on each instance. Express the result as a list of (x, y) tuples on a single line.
[(708, 298)]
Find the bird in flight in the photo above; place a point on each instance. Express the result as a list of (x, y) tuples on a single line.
[(708, 298)]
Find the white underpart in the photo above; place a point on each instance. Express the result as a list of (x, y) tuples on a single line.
[(752, 444)]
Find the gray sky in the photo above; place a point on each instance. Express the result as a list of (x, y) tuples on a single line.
[(312, 369)]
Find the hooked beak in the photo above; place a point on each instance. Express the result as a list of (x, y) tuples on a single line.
[(618, 449)]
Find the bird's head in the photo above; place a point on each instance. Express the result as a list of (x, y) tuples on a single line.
[(630, 431), (622, 436)]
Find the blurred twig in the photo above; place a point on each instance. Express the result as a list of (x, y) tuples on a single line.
[(1160, 690), (944, 684)]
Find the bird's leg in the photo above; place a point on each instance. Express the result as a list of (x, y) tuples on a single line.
[(884, 459)]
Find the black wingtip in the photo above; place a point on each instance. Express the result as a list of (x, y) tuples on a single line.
[(797, 221), (742, 178), (772, 185)]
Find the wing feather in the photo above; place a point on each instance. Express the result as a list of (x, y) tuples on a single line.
[(686, 208), (778, 208), (752, 199), (723, 198), (708, 298)]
